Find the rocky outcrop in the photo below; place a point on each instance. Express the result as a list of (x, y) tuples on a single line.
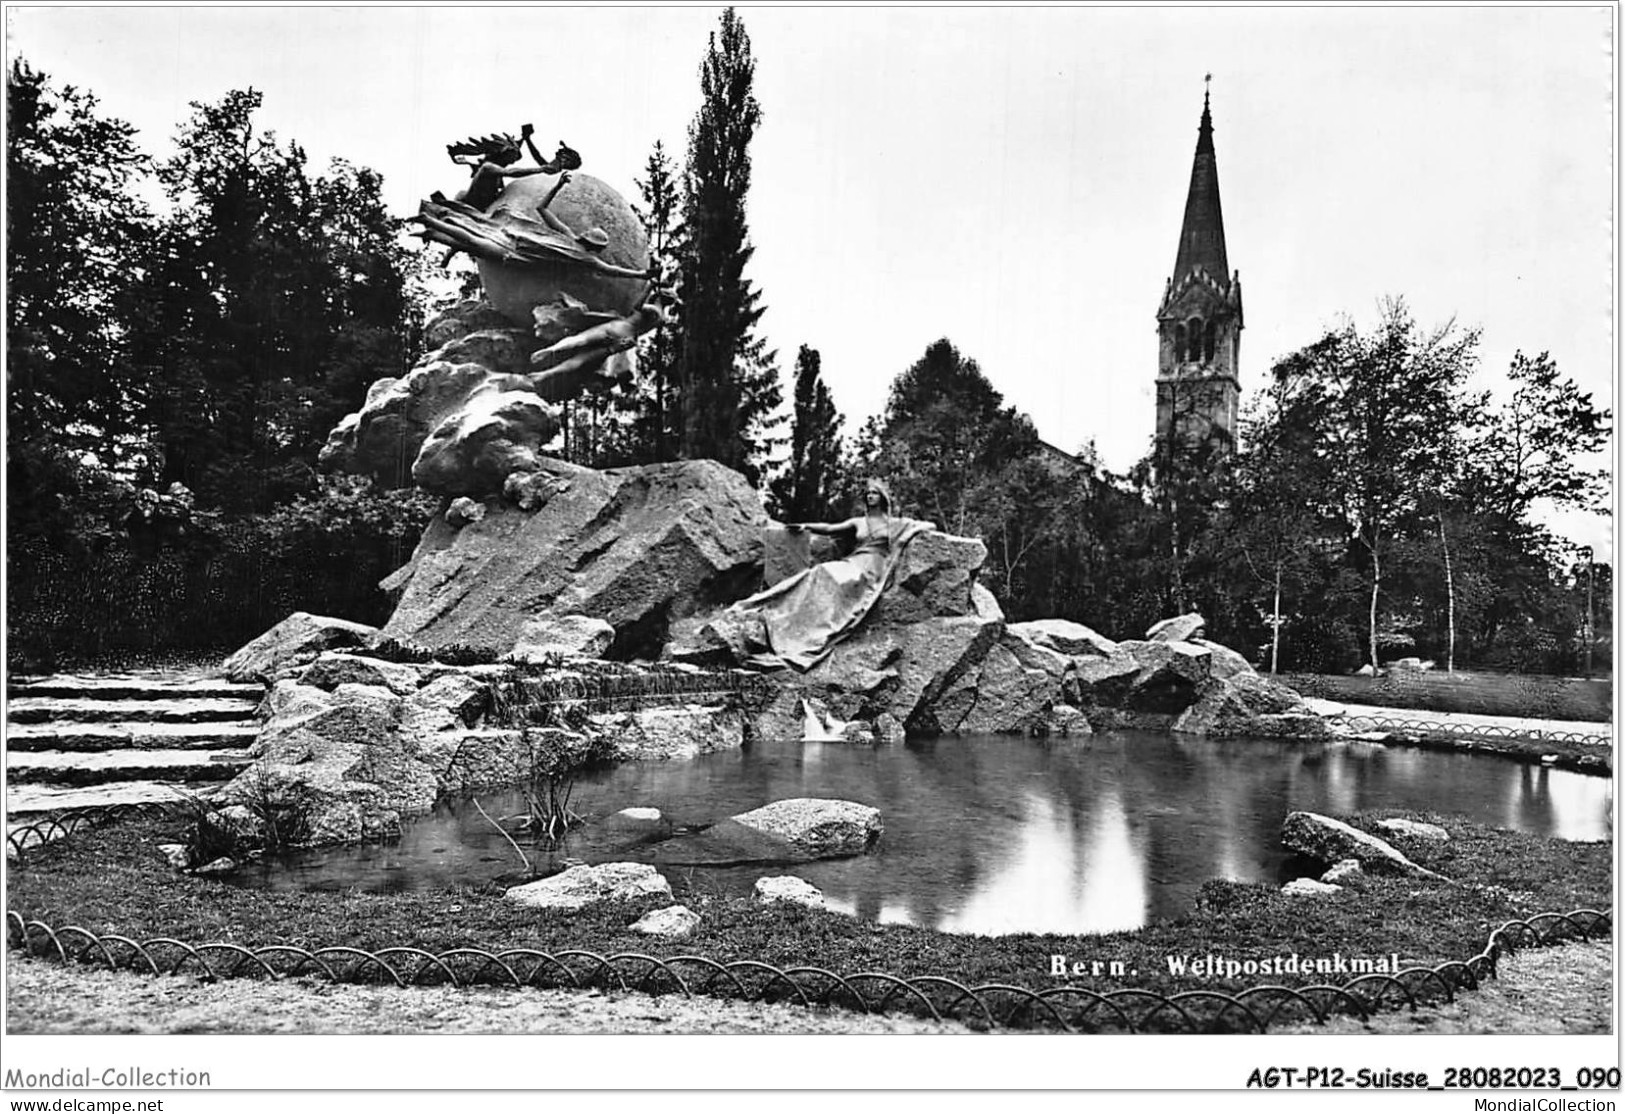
[(1331, 841), (637, 548), (575, 889), (298, 638), (353, 745), (544, 637)]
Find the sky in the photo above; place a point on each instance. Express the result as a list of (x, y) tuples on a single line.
[(1012, 179)]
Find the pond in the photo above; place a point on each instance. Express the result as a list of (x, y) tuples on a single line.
[(997, 835)]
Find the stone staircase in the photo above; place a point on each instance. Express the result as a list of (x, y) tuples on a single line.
[(122, 738)]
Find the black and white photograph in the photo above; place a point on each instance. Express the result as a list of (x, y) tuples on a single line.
[(996, 523)]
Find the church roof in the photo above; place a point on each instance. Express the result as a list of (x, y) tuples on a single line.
[(1201, 239)]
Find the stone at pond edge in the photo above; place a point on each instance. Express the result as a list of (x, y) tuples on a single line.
[(1344, 872), (581, 886), (817, 827), (216, 867), (333, 669), (1415, 829), (299, 637), (674, 921), (1308, 887), (1330, 841), (789, 888), (659, 734)]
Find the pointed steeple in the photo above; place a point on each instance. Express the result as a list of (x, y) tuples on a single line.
[(1201, 240)]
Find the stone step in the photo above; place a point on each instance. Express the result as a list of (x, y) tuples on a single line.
[(23, 801), (38, 709), (128, 736), (78, 768), (133, 686)]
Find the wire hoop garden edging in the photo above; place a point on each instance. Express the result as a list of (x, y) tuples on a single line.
[(1066, 1008)]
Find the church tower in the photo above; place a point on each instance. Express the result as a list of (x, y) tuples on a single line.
[(1199, 321)]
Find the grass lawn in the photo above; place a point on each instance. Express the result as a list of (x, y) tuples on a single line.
[(112, 879), (1467, 692)]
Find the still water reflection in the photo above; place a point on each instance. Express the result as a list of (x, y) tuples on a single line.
[(1000, 835)]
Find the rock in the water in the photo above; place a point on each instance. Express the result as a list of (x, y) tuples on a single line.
[(639, 815), (789, 888), (216, 867), (1064, 721), (298, 638), (817, 827), (727, 843), (676, 922), (581, 886), (1248, 704), (1308, 887), (638, 548), (1064, 637), (1415, 829), (1009, 697), (1331, 841), (1344, 872), (1181, 628), (549, 636)]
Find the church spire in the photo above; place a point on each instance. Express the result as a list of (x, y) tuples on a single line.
[(1201, 240)]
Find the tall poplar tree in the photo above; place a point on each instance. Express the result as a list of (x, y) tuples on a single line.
[(727, 378)]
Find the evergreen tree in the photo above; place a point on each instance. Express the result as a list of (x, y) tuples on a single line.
[(653, 412), (272, 298), (726, 377), (813, 484), (74, 224)]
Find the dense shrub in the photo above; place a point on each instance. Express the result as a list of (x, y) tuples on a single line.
[(123, 584)]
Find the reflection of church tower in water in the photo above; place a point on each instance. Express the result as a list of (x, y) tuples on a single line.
[(1199, 321)]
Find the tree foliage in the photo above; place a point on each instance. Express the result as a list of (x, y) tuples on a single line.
[(74, 221), (727, 378)]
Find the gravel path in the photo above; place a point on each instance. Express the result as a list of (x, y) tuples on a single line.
[(47, 997), (1563, 989)]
